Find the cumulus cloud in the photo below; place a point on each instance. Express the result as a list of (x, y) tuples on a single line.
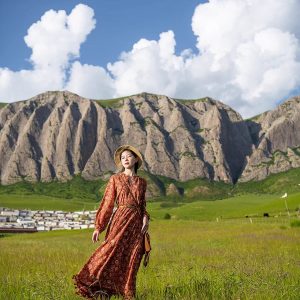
[(55, 40), (27, 83), (90, 81), (150, 66), (57, 37), (247, 56), (256, 45)]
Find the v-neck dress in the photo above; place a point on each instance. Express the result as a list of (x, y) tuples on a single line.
[(113, 266)]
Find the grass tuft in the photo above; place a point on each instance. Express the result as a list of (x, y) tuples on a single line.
[(295, 223)]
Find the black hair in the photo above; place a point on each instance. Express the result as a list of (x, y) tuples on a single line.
[(136, 165)]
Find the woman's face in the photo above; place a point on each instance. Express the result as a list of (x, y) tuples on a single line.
[(128, 159)]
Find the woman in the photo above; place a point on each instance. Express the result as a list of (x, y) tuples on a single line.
[(112, 268)]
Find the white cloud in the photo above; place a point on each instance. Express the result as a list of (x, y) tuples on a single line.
[(255, 44), (150, 66), (248, 57), (57, 37), (264, 63), (55, 40), (27, 83), (91, 81)]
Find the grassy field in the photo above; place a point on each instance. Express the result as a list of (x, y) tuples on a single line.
[(229, 259), (203, 248), (252, 205), (42, 202)]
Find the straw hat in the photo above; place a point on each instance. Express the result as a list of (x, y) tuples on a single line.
[(127, 147)]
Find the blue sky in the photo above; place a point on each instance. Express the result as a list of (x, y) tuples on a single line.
[(119, 25), (243, 53)]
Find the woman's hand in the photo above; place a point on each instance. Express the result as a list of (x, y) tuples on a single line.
[(145, 224), (95, 237)]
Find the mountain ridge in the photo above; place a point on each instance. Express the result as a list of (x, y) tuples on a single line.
[(57, 134)]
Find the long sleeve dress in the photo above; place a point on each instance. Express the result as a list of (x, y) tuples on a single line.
[(113, 266)]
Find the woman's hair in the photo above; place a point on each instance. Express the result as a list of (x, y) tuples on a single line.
[(135, 165)]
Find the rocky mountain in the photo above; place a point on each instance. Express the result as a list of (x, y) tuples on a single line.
[(276, 141), (58, 134)]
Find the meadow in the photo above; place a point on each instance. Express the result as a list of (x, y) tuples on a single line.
[(251, 205), (229, 259), (201, 249)]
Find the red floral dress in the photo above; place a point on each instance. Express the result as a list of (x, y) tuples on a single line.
[(113, 266)]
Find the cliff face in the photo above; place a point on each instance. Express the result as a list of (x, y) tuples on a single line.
[(276, 141), (58, 134)]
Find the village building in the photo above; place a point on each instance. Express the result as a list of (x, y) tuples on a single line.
[(45, 220)]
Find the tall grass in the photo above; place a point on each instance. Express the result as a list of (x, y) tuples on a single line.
[(211, 249), (230, 259)]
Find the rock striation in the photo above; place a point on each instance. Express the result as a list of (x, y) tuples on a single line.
[(57, 134), (276, 141)]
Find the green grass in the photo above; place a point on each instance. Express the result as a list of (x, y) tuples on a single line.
[(245, 199), (194, 256), (231, 259), (79, 192), (113, 103), (274, 184), (295, 223), (187, 101), (77, 187), (42, 202), (235, 207), (192, 190)]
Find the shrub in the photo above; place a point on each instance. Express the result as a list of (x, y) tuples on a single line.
[(169, 204), (282, 227), (167, 216), (295, 223)]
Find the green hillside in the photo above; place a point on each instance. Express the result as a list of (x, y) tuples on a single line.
[(77, 188), (248, 205), (92, 191), (197, 199), (188, 191), (284, 182)]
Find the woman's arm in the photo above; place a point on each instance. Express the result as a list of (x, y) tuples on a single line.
[(145, 214), (105, 209)]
